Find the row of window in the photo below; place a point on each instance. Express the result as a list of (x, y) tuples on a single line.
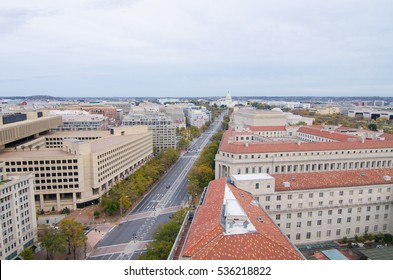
[(252, 156), (309, 235)]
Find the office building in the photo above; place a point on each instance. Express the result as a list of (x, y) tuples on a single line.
[(74, 172), (18, 226)]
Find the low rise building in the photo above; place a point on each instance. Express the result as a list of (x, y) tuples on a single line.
[(76, 120)]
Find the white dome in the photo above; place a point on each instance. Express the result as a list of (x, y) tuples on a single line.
[(277, 110)]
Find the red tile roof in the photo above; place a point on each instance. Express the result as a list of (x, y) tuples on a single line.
[(286, 146), (207, 240), (387, 136), (268, 128), (332, 179), (327, 134)]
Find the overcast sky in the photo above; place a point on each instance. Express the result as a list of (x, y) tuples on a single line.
[(196, 48)]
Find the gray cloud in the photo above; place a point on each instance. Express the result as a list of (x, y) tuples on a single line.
[(200, 47)]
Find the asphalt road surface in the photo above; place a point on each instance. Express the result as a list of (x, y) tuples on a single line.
[(129, 238)]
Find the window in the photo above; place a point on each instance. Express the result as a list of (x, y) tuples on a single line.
[(309, 223), (321, 194), (329, 221), (330, 212), (257, 185), (338, 220), (299, 224), (341, 193), (328, 232), (278, 216), (289, 196), (299, 215), (289, 215), (297, 236), (318, 234), (348, 219), (267, 198), (310, 195), (308, 235), (278, 197), (358, 218), (319, 213), (309, 214), (338, 232), (288, 225), (319, 222)]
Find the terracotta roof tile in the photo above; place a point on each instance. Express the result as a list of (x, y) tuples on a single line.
[(207, 239), (387, 136), (286, 146), (332, 179), (327, 134)]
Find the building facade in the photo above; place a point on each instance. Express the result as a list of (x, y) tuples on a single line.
[(18, 225), (77, 172), (78, 120), (162, 127), (322, 206)]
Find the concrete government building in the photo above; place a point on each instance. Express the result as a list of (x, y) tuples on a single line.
[(317, 183), (72, 169)]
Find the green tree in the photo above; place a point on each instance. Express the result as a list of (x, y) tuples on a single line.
[(74, 234), (54, 242), (183, 144), (164, 235), (27, 254), (301, 123), (373, 127)]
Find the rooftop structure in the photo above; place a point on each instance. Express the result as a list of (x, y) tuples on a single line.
[(75, 120), (16, 129), (230, 225)]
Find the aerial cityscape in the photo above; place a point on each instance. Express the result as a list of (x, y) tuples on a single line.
[(206, 178), (196, 130)]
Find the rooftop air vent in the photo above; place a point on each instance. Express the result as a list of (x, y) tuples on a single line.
[(286, 184), (293, 178), (242, 194), (260, 219), (363, 174), (387, 178)]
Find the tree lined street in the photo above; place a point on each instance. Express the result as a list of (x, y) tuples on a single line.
[(128, 239)]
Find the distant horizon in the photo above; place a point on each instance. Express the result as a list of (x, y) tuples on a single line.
[(195, 97)]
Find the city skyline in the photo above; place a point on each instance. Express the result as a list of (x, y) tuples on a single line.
[(143, 48)]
